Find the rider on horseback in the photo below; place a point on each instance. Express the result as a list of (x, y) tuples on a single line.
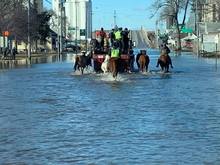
[(164, 60), (115, 52), (165, 51)]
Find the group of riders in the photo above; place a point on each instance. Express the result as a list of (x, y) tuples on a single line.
[(104, 41), (116, 43)]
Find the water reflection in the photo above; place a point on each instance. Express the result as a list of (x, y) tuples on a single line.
[(49, 116), (10, 64)]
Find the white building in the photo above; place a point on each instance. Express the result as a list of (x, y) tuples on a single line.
[(55, 6), (78, 14), (78, 19)]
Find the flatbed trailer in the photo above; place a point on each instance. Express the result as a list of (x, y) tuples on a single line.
[(98, 59)]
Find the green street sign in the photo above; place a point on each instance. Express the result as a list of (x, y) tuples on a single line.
[(185, 30), (71, 28), (82, 32)]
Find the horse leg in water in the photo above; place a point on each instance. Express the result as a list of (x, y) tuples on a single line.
[(158, 63), (167, 68), (142, 66), (142, 63), (162, 61), (165, 63), (115, 70), (82, 70), (114, 67), (162, 65), (76, 64)]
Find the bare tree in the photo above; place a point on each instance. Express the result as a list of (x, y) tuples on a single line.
[(6, 7), (14, 18), (172, 9)]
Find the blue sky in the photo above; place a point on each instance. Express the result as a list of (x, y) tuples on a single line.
[(130, 13)]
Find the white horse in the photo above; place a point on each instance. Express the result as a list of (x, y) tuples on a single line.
[(105, 64)]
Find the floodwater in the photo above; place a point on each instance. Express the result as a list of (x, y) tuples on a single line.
[(52, 116)]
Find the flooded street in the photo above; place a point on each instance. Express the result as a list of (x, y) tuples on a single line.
[(51, 116)]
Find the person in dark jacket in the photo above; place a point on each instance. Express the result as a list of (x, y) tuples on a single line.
[(125, 40), (112, 37), (131, 60), (165, 47), (14, 52)]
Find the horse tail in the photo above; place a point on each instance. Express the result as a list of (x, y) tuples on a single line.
[(142, 62), (142, 65)]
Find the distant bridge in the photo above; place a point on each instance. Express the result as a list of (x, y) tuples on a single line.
[(143, 38)]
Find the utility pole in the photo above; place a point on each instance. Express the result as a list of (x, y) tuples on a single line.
[(91, 22), (60, 27), (76, 28), (197, 27), (115, 18), (29, 41), (156, 35)]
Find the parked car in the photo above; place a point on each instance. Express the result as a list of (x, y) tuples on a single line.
[(72, 48)]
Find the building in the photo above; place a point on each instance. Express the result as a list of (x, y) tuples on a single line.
[(209, 11), (209, 25), (36, 4), (55, 6), (76, 18)]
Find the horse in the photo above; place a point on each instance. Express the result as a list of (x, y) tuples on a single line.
[(105, 64), (164, 61), (82, 61), (114, 66), (95, 46), (124, 64), (143, 61)]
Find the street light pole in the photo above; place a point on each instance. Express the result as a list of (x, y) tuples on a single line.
[(60, 22), (156, 35), (29, 42), (197, 27), (114, 17), (76, 24)]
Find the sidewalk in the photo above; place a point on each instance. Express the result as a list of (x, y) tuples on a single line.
[(35, 55), (23, 56), (22, 59)]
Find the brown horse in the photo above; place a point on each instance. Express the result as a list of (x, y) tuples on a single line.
[(164, 61), (113, 66), (81, 62), (143, 61), (124, 63)]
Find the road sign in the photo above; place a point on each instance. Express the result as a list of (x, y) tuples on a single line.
[(82, 32), (71, 28), (186, 30)]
